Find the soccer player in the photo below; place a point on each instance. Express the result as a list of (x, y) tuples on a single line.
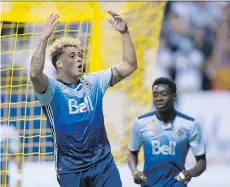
[(166, 136), (73, 106)]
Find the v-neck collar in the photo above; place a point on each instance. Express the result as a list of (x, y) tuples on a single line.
[(67, 84), (167, 126)]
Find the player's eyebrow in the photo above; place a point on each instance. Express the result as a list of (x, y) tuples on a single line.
[(163, 91), (72, 53)]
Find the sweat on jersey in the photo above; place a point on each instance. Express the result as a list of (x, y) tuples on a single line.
[(166, 146), (77, 123)]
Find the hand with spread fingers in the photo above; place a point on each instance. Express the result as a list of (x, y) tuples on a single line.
[(49, 25), (118, 22), (139, 177)]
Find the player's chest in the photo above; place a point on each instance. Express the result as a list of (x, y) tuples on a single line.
[(77, 91), (165, 139), (79, 99)]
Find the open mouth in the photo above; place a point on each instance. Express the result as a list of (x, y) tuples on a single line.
[(80, 66)]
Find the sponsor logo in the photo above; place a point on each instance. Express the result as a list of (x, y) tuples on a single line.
[(157, 148), (75, 107)]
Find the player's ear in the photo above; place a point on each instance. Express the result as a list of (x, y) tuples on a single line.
[(174, 96), (59, 64)]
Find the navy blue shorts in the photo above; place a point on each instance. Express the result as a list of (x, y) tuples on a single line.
[(102, 174)]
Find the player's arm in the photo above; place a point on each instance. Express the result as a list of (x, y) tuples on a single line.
[(134, 147), (129, 60), (139, 176), (133, 160), (200, 166), (197, 170), (38, 78), (198, 147)]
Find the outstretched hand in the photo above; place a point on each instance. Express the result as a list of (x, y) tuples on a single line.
[(49, 25), (118, 22)]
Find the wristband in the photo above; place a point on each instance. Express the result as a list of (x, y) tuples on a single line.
[(181, 176)]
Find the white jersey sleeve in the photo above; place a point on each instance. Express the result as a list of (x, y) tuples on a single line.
[(104, 79), (46, 97), (135, 139), (196, 140)]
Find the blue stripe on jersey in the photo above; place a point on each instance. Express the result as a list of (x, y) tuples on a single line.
[(146, 115), (77, 122), (179, 114), (44, 109)]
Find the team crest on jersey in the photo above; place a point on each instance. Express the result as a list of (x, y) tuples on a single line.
[(151, 127), (180, 133), (65, 89), (89, 87)]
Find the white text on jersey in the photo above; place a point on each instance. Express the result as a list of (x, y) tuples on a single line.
[(164, 149), (75, 108)]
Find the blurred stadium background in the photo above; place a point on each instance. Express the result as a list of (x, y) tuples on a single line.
[(186, 41)]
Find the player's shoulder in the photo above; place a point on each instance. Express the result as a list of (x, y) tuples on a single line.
[(89, 75), (97, 73), (186, 121), (93, 77), (54, 81), (145, 117), (185, 117), (89, 78)]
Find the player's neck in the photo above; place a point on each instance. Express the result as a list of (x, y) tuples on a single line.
[(166, 116), (68, 80)]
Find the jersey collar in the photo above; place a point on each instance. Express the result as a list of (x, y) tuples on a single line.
[(166, 126), (67, 84)]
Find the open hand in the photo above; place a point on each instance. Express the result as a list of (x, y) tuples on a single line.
[(49, 25), (117, 22)]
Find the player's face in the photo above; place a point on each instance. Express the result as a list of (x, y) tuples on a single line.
[(72, 62), (163, 98)]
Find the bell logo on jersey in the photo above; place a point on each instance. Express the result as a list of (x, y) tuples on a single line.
[(75, 108), (164, 149)]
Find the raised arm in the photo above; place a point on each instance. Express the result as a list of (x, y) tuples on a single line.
[(38, 78), (129, 60)]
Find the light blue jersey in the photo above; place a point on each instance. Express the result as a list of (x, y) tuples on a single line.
[(77, 122), (166, 146)]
